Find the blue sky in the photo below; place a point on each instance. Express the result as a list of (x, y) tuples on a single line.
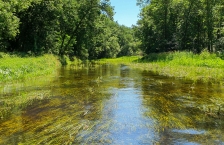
[(126, 12)]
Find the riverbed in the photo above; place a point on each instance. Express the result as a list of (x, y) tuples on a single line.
[(112, 104)]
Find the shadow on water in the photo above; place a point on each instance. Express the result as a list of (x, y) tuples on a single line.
[(112, 104)]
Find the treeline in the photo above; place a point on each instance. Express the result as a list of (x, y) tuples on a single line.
[(82, 28), (189, 25)]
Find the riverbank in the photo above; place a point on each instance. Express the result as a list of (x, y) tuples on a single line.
[(203, 67), (13, 67), (124, 59), (17, 72)]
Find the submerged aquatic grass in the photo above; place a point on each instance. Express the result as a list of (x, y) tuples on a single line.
[(61, 111), (11, 103), (111, 105), (19, 68)]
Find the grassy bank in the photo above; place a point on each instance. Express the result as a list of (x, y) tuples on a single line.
[(204, 67), (30, 70), (13, 67), (125, 60)]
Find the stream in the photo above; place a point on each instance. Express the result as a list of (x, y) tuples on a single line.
[(111, 104)]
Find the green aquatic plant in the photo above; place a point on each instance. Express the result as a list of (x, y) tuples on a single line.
[(212, 114)]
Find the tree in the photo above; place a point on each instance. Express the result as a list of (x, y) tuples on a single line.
[(127, 41), (168, 25), (9, 24), (81, 28)]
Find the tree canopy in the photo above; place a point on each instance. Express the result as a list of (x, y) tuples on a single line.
[(86, 29), (168, 25), (82, 28)]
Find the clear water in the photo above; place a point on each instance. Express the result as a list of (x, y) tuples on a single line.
[(111, 104)]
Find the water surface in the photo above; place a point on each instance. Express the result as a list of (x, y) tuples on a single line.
[(111, 104)]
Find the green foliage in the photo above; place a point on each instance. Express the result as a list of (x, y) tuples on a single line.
[(84, 29), (9, 24), (10, 21), (168, 25), (128, 42), (111, 40)]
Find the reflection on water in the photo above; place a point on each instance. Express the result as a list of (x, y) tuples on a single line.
[(111, 105)]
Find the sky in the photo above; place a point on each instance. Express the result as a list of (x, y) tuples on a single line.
[(126, 12)]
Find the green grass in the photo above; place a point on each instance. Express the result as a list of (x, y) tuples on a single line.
[(205, 59), (13, 67), (204, 67), (124, 59)]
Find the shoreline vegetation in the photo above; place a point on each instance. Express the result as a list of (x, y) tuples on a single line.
[(24, 71), (203, 67), (86, 29), (16, 68)]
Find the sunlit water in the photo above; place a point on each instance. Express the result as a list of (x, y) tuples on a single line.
[(111, 104)]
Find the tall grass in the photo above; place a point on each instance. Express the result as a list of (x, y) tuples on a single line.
[(206, 67), (205, 59), (197, 67), (13, 67), (124, 59)]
